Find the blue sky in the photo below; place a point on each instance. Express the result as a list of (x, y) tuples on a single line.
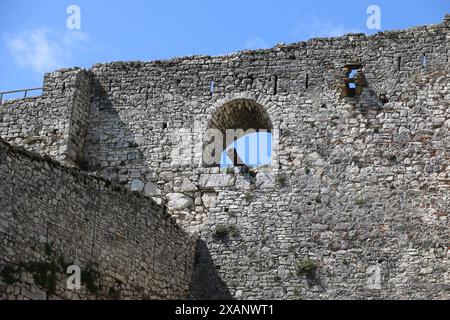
[(34, 38), (254, 149)]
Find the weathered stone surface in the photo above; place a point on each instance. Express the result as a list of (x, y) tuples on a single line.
[(265, 180), (186, 186), (242, 182), (111, 174), (209, 199), (216, 180), (74, 207), (152, 189), (178, 201)]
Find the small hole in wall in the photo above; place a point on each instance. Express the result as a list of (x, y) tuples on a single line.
[(164, 125), (352, 76), (352, 80), (399, 63), (275, 85), (424, 60), (226, 210), (253, 149), (307, 81)]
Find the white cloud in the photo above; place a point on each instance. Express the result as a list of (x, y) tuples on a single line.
[(255, 43), (313, 26), (43, 49)]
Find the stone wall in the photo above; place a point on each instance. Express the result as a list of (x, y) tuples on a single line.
[(53, 123), (366, 177), (136, 106), (53, 216), (356, 202)]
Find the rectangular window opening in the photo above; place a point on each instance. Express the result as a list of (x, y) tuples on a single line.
[(351, 79)]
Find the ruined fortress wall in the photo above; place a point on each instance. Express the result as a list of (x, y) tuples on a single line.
[(52, 216), (362, 190), (360, 187), (54, 123), (137, 105)]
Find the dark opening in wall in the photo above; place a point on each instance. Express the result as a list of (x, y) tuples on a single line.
[(275, 85), (307, 81), (164, 126), (353, 80), (246, 117), (399, 63), (251, 79)]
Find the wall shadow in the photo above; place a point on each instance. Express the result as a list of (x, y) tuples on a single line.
[(105, 119), (206, 281)]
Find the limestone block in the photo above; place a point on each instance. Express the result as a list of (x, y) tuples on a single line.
[(265, 180), (447, 123), (151, 189), (216, 180), (209, 199), (178, 201), (187, 186), (242, 183)]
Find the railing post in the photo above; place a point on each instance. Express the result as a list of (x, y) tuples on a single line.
[(15, 91)]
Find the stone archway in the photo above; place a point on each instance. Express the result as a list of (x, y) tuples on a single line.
[(242, 115)]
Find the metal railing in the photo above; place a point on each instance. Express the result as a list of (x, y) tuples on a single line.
[(25, 91)]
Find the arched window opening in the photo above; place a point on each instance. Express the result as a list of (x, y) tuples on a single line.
[(238, 133)]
